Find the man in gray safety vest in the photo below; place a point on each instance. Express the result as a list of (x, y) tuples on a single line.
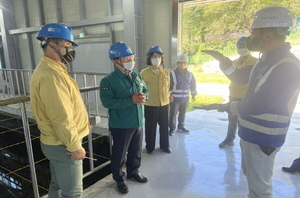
[(264, 113)]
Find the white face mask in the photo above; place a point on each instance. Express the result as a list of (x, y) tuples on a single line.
[(243, 51), (129, 65), (155, 61)]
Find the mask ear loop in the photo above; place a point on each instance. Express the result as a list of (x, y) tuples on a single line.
[(126, 71), (58, 51)]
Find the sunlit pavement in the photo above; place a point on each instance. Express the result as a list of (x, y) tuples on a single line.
[(198, 168)]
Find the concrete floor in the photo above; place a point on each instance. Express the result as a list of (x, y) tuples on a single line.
[(198, 168)]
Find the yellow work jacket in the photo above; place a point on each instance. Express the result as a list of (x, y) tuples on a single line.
[(57, 106), (158, 86), (239, 91)]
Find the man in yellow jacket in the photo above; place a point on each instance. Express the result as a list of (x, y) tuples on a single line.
[(59, 111), (237, 92)]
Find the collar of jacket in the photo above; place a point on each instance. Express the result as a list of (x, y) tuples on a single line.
[(54, 64), (151, 70), (121, 74), (275, 55)]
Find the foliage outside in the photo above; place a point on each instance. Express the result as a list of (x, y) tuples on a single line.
[(204, 99), (218, 26)]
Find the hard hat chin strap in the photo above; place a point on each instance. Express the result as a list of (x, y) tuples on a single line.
[(62, 57), (116, 63)]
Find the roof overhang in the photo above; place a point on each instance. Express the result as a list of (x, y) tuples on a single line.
[(194, 3)]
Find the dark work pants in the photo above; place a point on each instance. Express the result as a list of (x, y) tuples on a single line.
[(232, 122), (126, 141), (153, 116), (175, 107)]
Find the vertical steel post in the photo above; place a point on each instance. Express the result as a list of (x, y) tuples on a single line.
[(29, 149)]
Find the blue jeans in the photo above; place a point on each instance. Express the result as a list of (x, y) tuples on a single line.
[(66, 174)]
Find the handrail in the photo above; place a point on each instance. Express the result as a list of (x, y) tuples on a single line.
[(22, 100), (14, 100)]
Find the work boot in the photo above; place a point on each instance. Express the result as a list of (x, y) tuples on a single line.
[(171, 132), (226, 142), (183, 129), (295, 167)]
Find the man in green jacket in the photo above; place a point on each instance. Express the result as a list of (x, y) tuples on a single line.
[(124, 93)]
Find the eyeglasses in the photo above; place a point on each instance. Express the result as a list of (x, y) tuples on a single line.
[(128, 58)]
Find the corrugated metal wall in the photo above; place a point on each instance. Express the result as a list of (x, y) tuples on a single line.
[(140, 23)]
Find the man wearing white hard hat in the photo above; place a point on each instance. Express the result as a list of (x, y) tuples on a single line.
[(273, 89), (182, 83)]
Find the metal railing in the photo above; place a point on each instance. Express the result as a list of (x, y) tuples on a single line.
[(14, 89)]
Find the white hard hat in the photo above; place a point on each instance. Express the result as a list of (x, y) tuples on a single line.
[(272, 17), (182, 58)]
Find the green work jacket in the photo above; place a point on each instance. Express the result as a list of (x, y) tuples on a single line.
[(115, 94)]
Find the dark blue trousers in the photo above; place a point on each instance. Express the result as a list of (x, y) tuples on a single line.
[(127, 146)]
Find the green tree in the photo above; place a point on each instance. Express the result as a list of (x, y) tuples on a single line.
[(224, 21)]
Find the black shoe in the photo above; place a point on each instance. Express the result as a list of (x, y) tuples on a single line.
[(226, 143), (295, 167), (182, 129), (122, 188), (138, 177), (149, 152), (171, 132), (168, 150)]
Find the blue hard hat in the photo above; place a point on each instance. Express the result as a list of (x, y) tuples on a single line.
[(154, 49), (241, 42), (56, 30), (119, 49)]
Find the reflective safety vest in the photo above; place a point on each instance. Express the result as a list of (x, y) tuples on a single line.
[(269, 124), (182, 84)]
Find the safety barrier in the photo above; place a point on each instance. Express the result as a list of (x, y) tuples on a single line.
[(14, 90)]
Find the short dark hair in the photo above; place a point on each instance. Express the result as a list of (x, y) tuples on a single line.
[(148, 62)]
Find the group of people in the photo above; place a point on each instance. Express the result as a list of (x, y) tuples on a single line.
[(265, 111), (133, 98)]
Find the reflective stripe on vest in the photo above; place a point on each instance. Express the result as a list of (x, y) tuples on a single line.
[(262, 129), (271, 117)]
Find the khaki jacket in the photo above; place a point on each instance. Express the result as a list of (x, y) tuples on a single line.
[(238, 91), (158, 86), (57, 106)]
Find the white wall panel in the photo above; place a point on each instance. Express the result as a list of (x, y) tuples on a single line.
[(70, 10), (118, 29), (25, 56), (117, 7), (50, 11), (157, 27), (92, 57), (96, 9), (97, 29), (20, 19), (33, 12)]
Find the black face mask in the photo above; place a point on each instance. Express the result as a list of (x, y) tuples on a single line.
[(69, 56), (253, 44)]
